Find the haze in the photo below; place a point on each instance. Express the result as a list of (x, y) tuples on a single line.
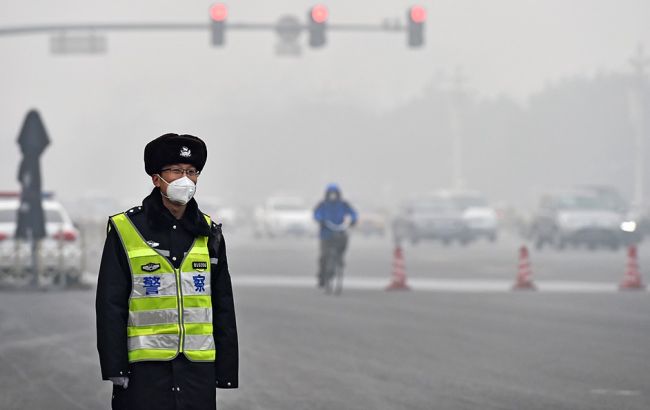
[(364, 111)]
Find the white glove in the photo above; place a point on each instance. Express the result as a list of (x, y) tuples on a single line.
[(120, 381)]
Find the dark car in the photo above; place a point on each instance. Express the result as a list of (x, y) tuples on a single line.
[(432, 217)]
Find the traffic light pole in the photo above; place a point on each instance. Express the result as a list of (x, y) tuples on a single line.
[(365, 27), (38, 29), (456, 128), (638, 109), (116, 27)]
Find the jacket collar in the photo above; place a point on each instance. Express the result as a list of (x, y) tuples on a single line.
[(159, 217)]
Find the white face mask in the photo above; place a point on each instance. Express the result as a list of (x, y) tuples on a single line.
[(179, 191)]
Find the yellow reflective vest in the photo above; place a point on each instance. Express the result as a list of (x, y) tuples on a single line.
[(170, 310)]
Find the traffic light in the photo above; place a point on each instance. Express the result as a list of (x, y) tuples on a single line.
[(317, 17), (218, 14), (416, 17)]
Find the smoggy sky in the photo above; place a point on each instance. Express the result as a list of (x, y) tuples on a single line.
[(101, 110)]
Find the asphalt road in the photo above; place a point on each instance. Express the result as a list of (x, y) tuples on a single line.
[(372, 257), (370, 349)]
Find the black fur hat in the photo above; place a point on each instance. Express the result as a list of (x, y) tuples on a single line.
[(174, 149)]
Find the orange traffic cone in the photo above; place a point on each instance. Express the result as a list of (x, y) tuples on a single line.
[(398, 281), (524, 279), (632, 279)]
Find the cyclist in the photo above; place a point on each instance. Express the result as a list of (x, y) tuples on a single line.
[(332, 213)]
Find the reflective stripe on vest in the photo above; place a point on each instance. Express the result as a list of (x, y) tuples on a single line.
[(170, 310)]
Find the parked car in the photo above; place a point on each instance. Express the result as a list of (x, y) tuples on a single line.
[(60, 251), (284, 216), (433, 217), (371, 223), (480, 218), (229, 216), (581, 217)]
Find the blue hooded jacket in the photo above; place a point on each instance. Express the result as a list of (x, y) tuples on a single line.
[(333, 211)]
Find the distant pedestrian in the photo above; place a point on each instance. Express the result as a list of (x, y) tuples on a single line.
[(331, 213)]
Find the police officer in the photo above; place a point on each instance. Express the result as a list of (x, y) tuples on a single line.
[(166, 330)]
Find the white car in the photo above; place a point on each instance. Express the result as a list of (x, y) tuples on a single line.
[(60, 251), (581, 218), (229, 216), (284, 216), (371, 223), (480, 218)]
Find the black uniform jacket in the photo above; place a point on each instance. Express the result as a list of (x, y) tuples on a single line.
[(172, 238)]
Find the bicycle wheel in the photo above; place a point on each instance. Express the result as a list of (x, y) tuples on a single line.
[(338, 287), (330, 271)]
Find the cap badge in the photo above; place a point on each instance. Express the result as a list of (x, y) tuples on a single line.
[(185, 152)]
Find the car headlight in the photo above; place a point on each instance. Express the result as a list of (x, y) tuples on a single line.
[(628, 226)]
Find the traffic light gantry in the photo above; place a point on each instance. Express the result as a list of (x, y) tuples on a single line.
[(90, 37)]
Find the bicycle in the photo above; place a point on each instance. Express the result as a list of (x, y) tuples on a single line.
[(333, 265)]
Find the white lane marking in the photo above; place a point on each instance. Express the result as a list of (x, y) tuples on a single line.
[(432, 285), (614, 392), (40, 341), (570, 286)]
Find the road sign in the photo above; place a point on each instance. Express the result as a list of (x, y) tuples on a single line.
[(73, 43), (33, 140), (288, 29)]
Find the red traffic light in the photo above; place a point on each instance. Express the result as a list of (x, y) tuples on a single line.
[(218, 12), (319, 14), (418, 14)]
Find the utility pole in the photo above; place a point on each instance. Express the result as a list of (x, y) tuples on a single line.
[(456, 129), (638, 107)]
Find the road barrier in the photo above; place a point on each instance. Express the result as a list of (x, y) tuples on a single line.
[(398, 280), (524, 279), (632, 278)]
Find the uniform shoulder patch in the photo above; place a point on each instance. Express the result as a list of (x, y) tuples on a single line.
[(217, 235), (213, 224), (134, 210)]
